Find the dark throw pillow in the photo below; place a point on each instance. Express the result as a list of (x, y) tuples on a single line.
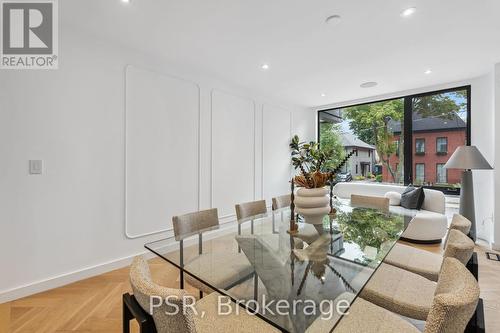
[(413, 197)]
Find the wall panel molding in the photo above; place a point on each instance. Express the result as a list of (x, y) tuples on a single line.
[(277, 124), (243, 111), (158, 180)]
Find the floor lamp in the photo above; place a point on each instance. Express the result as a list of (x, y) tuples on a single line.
[(468, 158)]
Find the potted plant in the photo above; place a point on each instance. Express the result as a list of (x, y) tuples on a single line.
[(311, 200)]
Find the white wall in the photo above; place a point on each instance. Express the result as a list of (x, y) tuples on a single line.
[(483, 135), (496, 145), (69, 223)]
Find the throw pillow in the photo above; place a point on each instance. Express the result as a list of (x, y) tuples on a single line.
[(412, 197), (394, 198)]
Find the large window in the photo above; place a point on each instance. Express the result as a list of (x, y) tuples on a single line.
[(436, 123), (366, 131)]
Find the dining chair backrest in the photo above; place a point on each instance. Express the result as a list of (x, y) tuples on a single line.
[(365, 201), (165, 317), (247, 209), (455, 299), (459, 246), (460, 223), (282, 201), (193, 223)]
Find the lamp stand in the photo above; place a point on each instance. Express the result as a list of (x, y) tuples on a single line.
[(467, 201)]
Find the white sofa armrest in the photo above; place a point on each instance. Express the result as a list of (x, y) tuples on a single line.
[(427, 226)]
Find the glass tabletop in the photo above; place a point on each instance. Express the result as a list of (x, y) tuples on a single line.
[(289, 280)]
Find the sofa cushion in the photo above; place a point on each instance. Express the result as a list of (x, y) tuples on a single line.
[(394, 198), (413, 198)]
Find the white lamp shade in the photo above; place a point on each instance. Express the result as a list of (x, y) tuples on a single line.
[(467, 157)]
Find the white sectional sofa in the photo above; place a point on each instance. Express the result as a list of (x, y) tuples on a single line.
[(429, 225)]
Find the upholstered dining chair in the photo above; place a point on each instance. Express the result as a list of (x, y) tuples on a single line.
[(202, 317), (460, 223), (453, 304), (224, 269), (247, 210), (280, 202), (428, 264), (370, 202), (463, 224), (410, 294), (244, 211)]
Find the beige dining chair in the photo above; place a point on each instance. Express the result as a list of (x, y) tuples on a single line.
[(410, 294), (221, 269), (281, 201), (453, 304), (247, 210), (428, 264), (365, 201), (244, 211), (460, 223), (203, 317)]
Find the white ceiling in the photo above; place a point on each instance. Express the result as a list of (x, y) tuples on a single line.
[(231, 39)]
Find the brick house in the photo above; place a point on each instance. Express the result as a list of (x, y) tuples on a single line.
[(434, 141)]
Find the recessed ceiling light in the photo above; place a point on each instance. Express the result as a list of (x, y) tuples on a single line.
[(429, 71), (333, 19), (323, 95), (408, 11), (368, 84), (265, 66), (125, 1)]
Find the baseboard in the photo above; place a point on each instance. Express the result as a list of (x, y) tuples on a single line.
[(67, 278), (88, 272)]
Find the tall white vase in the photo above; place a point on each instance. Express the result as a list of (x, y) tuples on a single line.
[(312, 204)]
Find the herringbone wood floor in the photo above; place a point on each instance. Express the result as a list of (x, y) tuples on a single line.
[(91, 305), (94, 305)]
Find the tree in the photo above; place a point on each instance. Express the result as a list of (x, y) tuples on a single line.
[(444, 106), (370, 123), (331, 140)]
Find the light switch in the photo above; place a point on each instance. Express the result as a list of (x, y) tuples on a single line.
[(36, 167)]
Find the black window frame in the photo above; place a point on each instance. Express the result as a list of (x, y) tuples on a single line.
[(408, 126), (420, 153)]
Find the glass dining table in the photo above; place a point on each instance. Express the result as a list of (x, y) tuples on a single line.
[(290, 280)]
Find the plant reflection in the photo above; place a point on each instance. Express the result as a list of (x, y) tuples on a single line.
[(372, 230)]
